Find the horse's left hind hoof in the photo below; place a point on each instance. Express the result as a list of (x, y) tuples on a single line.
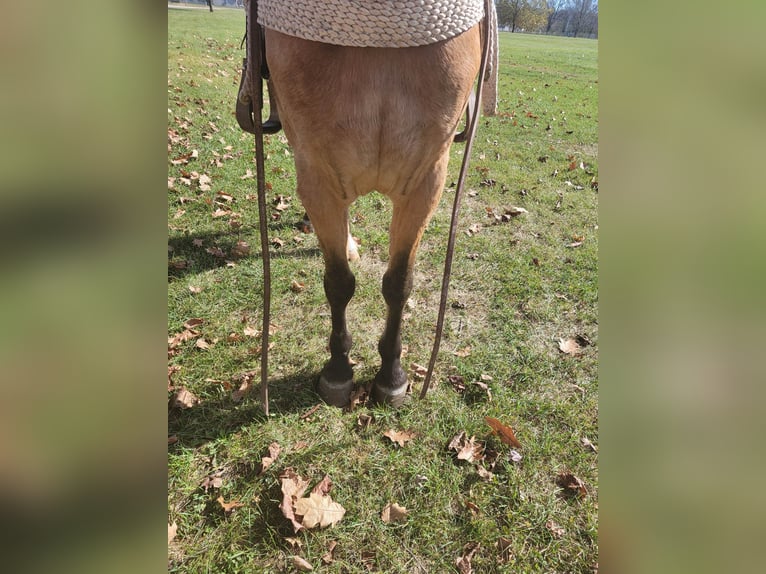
[(386, 396), (336, 394)]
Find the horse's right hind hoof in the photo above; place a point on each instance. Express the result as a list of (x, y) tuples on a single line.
[(393, 397), (336, 394)]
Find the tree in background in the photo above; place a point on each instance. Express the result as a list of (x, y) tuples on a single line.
[(560, 17), (523, 15)]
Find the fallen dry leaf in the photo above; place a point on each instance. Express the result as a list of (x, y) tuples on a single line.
[(393, 513), (267, 461), (589, 445), (504, 432), (463, 562), (419, 371), (575, 345), (296, 287), (514, 456), (504, 547), (251, 332), (244, 387), (483, 473), (555, 529), (571, 484), (295, 543), (184, 399), (293, 487), (194, 289), (172, 531), (468, 450), (513, 211), (475, 510), (301, 564), (464, 352), (201, 343), (400, 437), (191, 323), (240, 249), (213, 481), (358, 398), (318, 510), (229, 507), (328, 556)]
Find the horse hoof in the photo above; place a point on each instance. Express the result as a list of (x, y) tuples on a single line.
[(336, 394), (393, 397)]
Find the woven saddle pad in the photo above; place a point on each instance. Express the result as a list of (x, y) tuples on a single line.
[(371, 23)]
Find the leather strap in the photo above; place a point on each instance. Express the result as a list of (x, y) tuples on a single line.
[(471, 135)]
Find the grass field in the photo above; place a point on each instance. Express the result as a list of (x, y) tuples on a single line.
[(518, 287)]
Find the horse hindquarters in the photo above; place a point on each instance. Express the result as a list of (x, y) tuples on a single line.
[(363, 119)]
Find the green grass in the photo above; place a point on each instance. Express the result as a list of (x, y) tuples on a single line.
[(510, 310)]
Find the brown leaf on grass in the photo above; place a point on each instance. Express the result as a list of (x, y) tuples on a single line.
[(245, 385), (475, 510), (589, 445), (202, 343), (357, 399), (555, 529), (464, 352), (323, 486), (393, 513), (191, 323), (172, 531), (216, 252), (184, 399), (267, 461), (240, 249), (172, 369), (463, 562), (293, 487), (574, 346), (194, 289), (251, 332), (297, 287), (400, 437), (301, 564), (504, 432), (483, 473), (466, 449), (484, 387), (328, 556), (473, 229), (213, 481), (318, 510), (419, 371), (571, 484), (281, 203), (229, 507), (363, 420), (457, 382), (295, 543), (504, 548)]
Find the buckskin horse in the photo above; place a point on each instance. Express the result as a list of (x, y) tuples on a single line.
[(361, 115)]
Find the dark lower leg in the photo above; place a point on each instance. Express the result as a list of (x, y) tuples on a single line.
[(397, 285), (339, 285)]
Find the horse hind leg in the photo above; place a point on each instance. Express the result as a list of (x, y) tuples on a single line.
[(330, 221), (411, 214)]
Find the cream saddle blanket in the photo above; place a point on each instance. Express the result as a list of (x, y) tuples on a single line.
[(371, 23)]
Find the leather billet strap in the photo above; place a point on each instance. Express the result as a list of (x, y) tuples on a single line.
[(471, 126), (248, 112)]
